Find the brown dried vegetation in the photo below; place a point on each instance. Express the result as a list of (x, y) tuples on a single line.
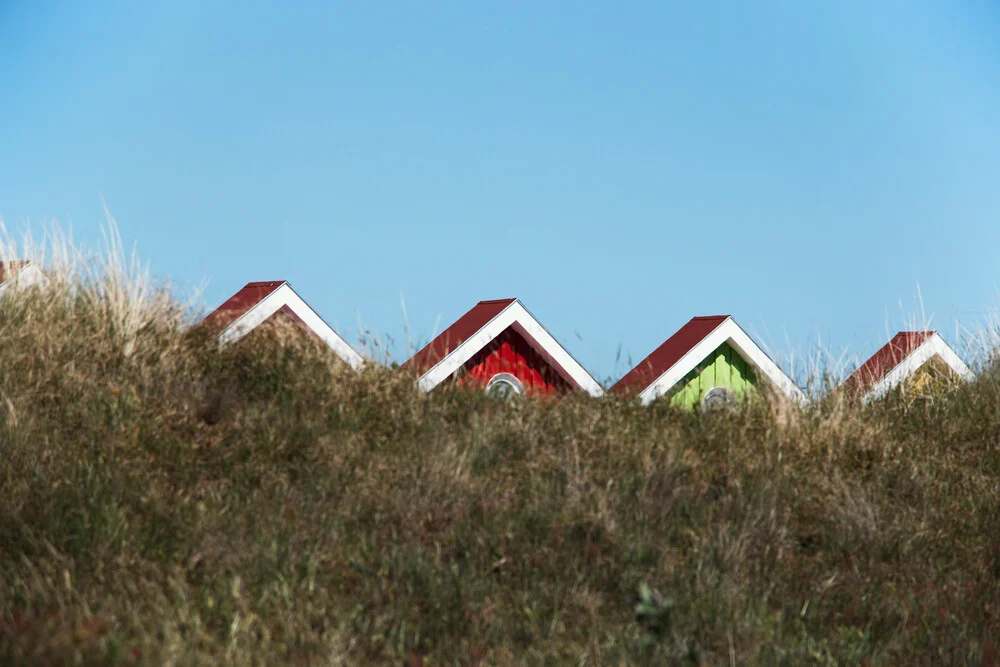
[(165, 502)]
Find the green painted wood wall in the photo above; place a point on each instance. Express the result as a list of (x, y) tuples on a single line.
[(722, 368)]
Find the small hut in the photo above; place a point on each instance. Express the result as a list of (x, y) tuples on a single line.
[(499, 346), (915, 361), (708, 362), (274, 302), (22, 273)]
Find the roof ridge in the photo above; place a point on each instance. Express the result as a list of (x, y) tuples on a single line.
[(262, 283), (507, 300)]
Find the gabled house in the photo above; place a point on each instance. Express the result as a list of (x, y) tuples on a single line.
[(707, 362), (21, 272), (274, 302), (499, 346), (912, 359)]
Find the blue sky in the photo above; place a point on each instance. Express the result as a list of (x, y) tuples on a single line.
[(802, 166)]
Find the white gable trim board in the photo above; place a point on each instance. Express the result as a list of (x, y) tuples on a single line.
[(517, 316), (27, 276), (933, 346), (272, 303), (727, 332)]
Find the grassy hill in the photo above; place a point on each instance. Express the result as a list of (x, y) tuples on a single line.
[(162, 502)]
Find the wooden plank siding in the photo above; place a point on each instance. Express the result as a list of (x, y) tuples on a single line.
[(933, 378), (511, 353), (724, 367)]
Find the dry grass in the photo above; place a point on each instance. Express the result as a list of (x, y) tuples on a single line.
[(162, 502)]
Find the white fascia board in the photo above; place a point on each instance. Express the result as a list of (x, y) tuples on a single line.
[(556, 354), (272, 303), (27, 276), (727, 332), (538, 336), (930, 348)]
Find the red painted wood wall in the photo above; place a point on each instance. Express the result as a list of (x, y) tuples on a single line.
[(510, 353)]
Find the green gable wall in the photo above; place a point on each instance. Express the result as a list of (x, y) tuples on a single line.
[(722, 368)]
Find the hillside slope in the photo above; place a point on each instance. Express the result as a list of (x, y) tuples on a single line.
[(162, 502)]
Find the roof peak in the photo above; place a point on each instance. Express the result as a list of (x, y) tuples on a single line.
[(669, 352), (266, 283), (508, 300), (10, 267), (885, 359)]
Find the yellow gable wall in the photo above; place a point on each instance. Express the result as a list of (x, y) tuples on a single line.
[(934, 377)]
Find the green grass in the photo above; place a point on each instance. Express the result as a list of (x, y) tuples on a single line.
[(162, 502)]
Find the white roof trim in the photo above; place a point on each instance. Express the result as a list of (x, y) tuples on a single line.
[(727, 332), (933, 346), (284, 295), (515, 315), (27, 276)]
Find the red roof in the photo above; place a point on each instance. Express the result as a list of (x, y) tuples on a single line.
[(882, 362), (240, 303), (465, 327), (669, 353), (8, 269)]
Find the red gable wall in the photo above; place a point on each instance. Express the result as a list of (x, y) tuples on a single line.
[(510, 353)]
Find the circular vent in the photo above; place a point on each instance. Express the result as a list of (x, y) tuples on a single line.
[(505, 387), (718, 398)]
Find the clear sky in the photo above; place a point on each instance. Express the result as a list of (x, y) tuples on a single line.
[(621, 167)]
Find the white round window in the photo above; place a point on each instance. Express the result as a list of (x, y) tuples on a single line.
[(505, 387), (718, 397)]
